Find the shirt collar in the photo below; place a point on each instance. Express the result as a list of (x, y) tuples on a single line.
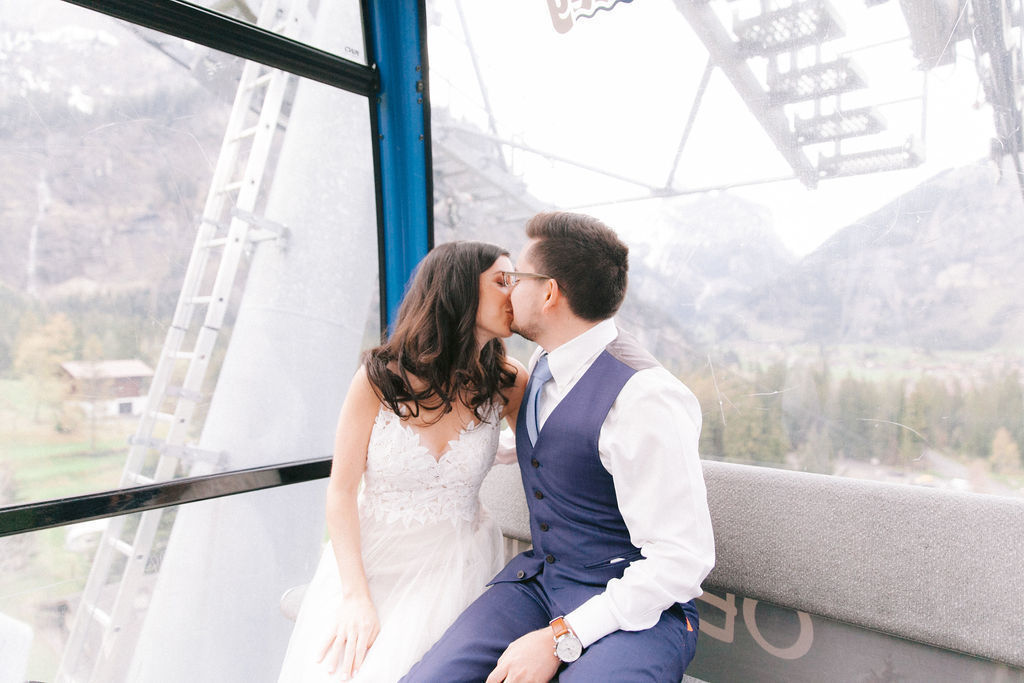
[(568, 359)]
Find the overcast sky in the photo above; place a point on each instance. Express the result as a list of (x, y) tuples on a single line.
[(614, 92)]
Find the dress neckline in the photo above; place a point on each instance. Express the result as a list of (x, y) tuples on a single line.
[(449, 446)]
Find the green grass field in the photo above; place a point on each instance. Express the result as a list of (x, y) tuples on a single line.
[(38, 462), (40, 575)]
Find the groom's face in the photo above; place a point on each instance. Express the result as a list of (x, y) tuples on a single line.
[(527, 297)]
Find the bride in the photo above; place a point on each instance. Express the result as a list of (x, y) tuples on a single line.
[(419, 428)]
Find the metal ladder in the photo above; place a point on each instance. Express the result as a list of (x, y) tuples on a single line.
[(229, 227)]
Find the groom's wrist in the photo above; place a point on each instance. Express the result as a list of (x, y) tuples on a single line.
[(593, 620), (567, 645)]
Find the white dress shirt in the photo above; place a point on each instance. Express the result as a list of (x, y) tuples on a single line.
[(648, 443)]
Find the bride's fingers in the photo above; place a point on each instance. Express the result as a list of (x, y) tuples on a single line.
[(347, 663), (372, 637), (325, 647), (362, 646), (334, 655)]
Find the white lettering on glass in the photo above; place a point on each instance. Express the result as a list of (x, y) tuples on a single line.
[(727, 632)]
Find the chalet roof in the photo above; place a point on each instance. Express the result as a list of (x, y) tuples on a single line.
[(107, 369)]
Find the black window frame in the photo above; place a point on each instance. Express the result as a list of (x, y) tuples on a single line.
[(226, 34)]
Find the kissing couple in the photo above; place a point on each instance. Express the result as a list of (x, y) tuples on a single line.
[(412, 585)]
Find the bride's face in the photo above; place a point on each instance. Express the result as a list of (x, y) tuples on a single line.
[(494, 310)]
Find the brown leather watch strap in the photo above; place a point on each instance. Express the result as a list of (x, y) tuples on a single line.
[(559, 626)]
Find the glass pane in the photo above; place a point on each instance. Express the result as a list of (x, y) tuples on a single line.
[(825, 229), (334, 26), (203, 601), (172, 231)]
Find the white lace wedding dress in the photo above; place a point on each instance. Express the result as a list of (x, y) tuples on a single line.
[(428, 545)]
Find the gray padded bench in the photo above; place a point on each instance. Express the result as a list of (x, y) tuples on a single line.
[(825, 578)]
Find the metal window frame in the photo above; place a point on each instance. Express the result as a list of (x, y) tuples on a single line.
[(17, 519), (395, 29), (220, 32), (398, 40)]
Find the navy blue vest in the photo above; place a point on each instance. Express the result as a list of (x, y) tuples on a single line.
[(580, 541)]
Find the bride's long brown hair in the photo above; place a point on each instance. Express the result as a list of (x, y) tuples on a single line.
[(434, 339)]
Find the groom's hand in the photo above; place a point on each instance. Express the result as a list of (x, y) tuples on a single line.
[(529, 659)]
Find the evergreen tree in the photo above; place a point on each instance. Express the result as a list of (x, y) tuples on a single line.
[(1005, 456), (994, 403), (712, 429), (853, 426), (816, 454), (756, 431)]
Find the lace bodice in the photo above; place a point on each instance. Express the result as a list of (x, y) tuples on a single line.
[(403, 481)]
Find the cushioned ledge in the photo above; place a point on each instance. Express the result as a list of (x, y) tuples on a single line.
[(935, 566), (502, 493), (938, 567)]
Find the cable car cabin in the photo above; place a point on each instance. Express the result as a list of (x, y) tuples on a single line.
[(824, 204)]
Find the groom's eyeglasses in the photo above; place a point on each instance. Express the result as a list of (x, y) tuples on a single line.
[(511, 278)]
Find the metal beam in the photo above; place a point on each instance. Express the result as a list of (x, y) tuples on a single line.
[(405, 216), (553, 157), (17, 519), (239, 38), (726, 55), (694, 108)]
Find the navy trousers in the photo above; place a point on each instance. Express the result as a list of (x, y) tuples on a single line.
[(470, 648)]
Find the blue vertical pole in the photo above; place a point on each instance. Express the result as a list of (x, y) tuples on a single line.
[(397, 35)]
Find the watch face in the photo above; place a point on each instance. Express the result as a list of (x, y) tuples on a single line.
[(568, 648)]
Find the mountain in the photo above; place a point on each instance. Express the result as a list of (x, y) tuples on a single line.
[(938, 268), (109, 146), (110, 140), (712, 253)]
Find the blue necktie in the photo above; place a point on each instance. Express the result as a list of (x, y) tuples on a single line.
[(541, 374)]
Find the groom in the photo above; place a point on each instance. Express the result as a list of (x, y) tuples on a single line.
[(607, 446)]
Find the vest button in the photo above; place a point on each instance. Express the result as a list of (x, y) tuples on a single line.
[(538, 495), (520, 574), (544, 526), (550, 559), (534, 462)]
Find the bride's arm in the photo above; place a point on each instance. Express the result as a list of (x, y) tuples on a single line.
[(507, 446), (357, 625)]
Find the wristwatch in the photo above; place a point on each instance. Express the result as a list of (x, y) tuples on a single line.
[(568, 647)]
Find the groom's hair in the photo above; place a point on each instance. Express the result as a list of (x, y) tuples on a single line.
[(585, 257)]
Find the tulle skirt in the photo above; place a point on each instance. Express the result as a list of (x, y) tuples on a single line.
[(421, 577)]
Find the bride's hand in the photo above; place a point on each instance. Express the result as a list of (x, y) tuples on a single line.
[(355, 630)]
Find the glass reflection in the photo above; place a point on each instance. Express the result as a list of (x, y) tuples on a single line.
[(214, 594), (834, 313), (168, 199)]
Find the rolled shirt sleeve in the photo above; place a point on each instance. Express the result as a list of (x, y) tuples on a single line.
[(648, 444)]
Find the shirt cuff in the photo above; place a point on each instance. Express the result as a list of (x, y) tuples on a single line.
[(592, 620), (506, 453)]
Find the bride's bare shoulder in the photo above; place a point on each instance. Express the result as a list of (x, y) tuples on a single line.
[(361, 391)]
